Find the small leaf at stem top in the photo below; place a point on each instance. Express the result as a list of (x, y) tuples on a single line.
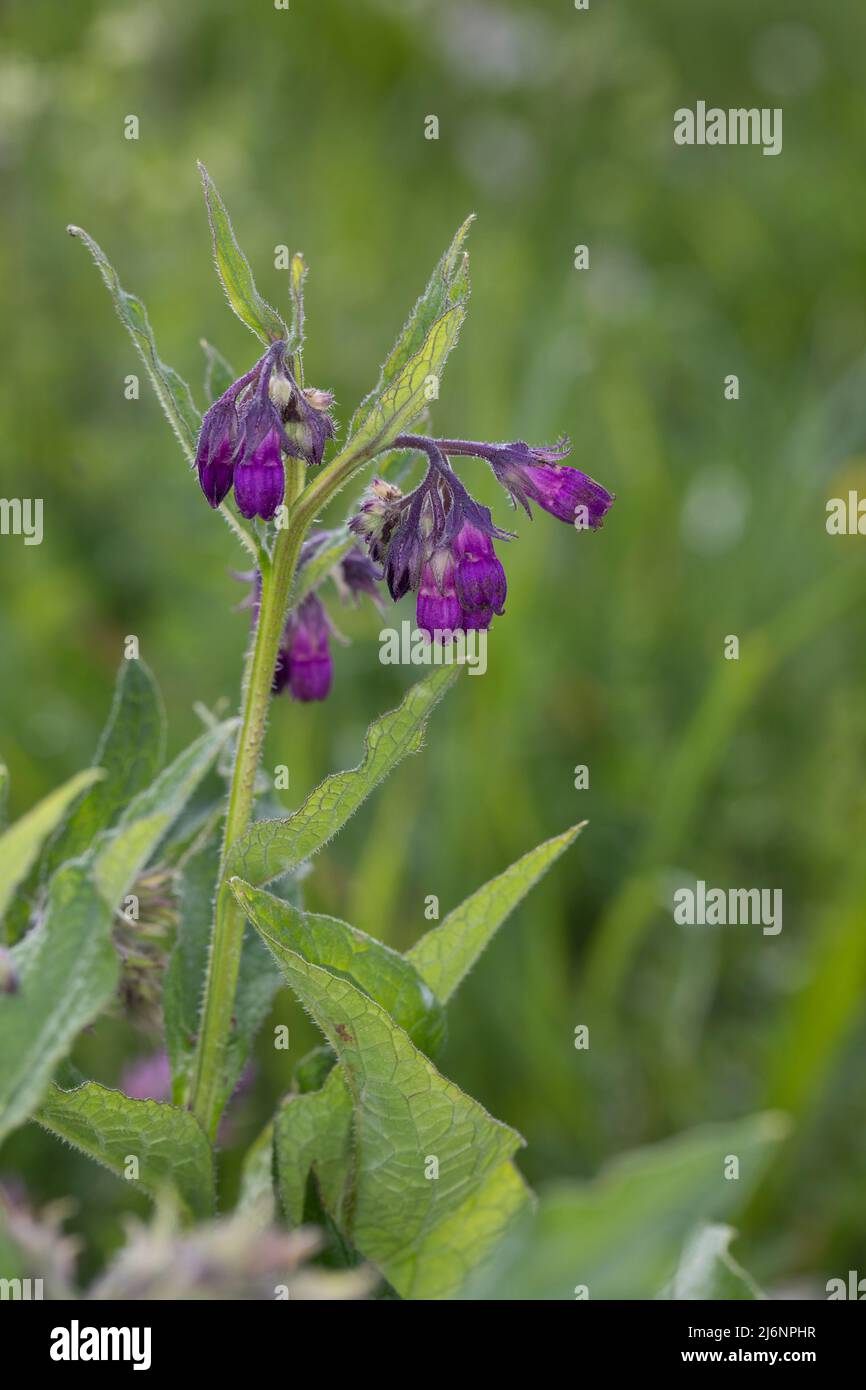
[(234, 271), (409, 378)]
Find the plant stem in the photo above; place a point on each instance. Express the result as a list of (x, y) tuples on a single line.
[(225, 954), (278, 574)]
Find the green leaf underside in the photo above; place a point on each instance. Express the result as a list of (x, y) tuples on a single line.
[(171, 1150), (708, 1271), (343, 950), (130, 753), (171, 390), (68, 972), (622, 1233), (235, 274), (21, 843), (422, 1233), (119, 855), (271, 848), (446, 954), (420, 351), (257, 1176)]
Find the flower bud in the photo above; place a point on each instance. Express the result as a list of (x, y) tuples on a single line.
[(480, 579), (215, 454), (305, 664)]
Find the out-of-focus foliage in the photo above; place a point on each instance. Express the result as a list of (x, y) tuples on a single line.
[(555, 127)]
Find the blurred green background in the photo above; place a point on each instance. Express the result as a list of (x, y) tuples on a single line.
[(556, 128)]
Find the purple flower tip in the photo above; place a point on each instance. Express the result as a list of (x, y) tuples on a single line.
[(438, 608), (538, 475), (568, 494), (260, 481)]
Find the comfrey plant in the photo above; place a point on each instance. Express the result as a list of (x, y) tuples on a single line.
[(172, 894)]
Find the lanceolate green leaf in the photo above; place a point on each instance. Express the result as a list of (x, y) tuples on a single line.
[(68, 971), (234, 271), (130, 754), (120, 855), (172, 391), (156, 1147), (403, 399), (344, 950), (448, 952), (425, 1194), (420, 350), (620, 1236), (273, 847), (21, 843)]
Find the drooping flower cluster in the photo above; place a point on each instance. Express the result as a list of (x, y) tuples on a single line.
[(244, 434), (438, 541)]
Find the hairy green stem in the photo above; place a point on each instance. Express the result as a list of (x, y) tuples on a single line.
[(278, 574), (225, 954)]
